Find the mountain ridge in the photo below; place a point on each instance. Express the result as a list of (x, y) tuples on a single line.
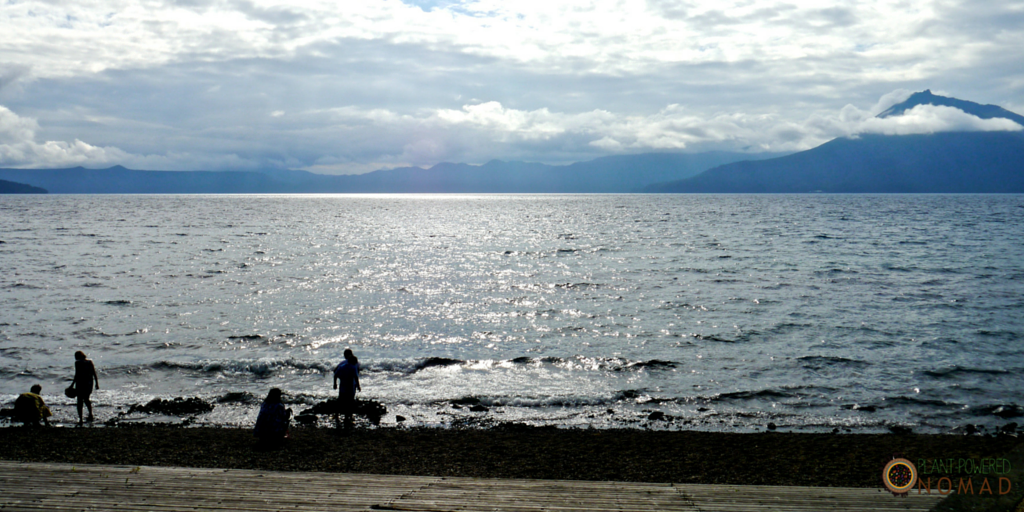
[(614, 174), (12, 187), (926, 97), (942, 162)]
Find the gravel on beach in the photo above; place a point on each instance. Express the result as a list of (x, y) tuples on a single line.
[(513, 451)]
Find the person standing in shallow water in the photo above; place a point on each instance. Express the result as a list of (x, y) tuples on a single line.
[(85, 375), (347, 373)]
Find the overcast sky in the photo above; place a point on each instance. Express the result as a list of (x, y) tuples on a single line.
[(353, 86)]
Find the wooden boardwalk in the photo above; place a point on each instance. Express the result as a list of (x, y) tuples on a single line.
[(65, 487)]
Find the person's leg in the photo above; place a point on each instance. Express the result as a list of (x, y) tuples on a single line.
[(348, 404), (88, 403), (79, 406)]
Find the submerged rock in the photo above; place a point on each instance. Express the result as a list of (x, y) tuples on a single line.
[(238, 397), (177, 407), (656, 415), (306, 419), (370, 409)]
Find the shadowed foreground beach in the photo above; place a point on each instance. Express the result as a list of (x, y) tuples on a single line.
[(513, 451)]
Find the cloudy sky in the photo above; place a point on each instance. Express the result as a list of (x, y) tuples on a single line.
[(353, 86)]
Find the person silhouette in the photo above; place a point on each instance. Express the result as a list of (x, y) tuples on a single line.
[(272, 423), (85, 375), (347, 374), (29, 408)]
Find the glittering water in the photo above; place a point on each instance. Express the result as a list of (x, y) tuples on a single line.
[(722, 312)]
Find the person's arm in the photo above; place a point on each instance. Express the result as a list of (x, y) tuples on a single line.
[(95, 377), (358, 387), (335, 381)]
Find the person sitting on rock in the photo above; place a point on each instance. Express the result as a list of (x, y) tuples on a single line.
[(272, 422), (29, 408)]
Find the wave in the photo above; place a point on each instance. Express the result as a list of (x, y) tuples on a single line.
[(773, 393), (754, 395), (819, 362), (92, 331), (915, 401), (260, 368), (265, 367), (1005, 411), (956, 371)]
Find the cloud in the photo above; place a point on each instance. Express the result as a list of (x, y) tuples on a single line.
[(924, 119), (347, 86), (18, 147), (11, 73)]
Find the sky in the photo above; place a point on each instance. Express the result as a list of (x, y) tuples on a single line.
[(351, 87)]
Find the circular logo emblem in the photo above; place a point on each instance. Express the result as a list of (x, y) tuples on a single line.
[(899, 476)]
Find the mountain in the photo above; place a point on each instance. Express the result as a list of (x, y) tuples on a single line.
[(10, 187), (624, 173), (950, 162), (119, 180), (946, 162), (927, 98)]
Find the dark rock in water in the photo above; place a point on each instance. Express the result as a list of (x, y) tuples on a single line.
[(900, 430), (177, 407), (306, 419), (865, 408), (970, 429), (9, 413), (835, 431), (479, 408), (437, 361), (653, 364), (772, 426), (246, 337), (466, 400), (399, 418), (610, 411), (1009, 428), (656, 416), (237, 397), (369, 409)]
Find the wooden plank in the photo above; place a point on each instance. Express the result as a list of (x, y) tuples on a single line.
[(65, 487)]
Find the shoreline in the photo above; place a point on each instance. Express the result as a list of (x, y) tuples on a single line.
[(515, 451)]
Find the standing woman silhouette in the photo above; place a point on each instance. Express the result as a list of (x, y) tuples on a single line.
[(85, 375)]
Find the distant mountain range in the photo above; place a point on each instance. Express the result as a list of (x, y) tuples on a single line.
[(623, 173), (10, 187), (947, 162)]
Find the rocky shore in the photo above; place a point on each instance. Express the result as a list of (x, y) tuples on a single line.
[(513, 451)]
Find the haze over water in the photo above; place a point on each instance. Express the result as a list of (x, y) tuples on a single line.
[(723, 312)]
